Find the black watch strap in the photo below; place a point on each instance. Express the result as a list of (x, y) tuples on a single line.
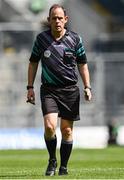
[(30, 87), (87, 87)]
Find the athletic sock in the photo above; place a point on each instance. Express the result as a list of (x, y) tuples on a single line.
[(51, 147), (65, 152)]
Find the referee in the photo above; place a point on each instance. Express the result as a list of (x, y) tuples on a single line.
[(59, 51)]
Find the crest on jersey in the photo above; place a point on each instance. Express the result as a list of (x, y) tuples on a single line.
[(47, 53)]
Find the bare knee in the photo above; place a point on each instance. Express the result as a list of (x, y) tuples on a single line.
[(66, 133), (50, 126), (49, 130)]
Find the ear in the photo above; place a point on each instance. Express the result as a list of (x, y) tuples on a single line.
[(66, 19)]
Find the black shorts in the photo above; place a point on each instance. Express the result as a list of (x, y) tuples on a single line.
[(64, 101)]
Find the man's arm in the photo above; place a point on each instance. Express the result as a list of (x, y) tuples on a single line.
[(85, 76), (32, 70)]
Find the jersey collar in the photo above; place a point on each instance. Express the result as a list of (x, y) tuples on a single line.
[(66, 34)]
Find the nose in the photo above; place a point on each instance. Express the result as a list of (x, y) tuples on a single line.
[(57, 19)]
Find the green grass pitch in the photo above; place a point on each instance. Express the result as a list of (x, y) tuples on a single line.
[(105, 163)]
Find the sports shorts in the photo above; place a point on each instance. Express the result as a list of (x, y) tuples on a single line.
[(64, 101)]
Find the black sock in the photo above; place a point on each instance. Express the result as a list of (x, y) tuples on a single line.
[(65, 151), (51, 147)]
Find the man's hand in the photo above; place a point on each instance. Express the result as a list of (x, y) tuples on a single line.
[(87, 94), (31, 96)]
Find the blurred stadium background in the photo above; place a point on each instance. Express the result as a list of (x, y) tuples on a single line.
[(101, 24)]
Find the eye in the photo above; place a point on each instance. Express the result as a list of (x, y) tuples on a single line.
[(60, 18), (54, 18)]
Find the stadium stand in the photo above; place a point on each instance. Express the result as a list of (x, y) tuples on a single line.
[(18, 27)]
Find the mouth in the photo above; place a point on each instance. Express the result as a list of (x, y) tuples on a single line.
[(58, 27)]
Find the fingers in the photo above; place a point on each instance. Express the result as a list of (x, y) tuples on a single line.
[(31, 97), (31, 100), (87, 94)]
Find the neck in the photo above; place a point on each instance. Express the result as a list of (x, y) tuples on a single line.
[(58, 35)]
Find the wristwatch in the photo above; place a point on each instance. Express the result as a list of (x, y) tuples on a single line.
[(87, 87), (30, 87)]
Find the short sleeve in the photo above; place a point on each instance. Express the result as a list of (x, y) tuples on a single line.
[(36, 51), (80, 52)]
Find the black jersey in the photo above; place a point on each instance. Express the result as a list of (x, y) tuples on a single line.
[(58, 58)]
